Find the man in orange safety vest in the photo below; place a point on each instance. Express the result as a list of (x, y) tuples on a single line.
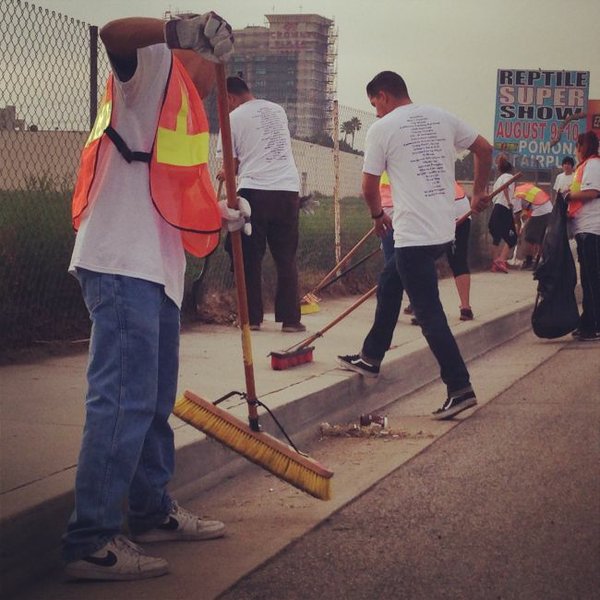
[(143, 196)]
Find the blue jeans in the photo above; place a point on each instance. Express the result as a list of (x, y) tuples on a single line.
[(387, 245), (127, 452), (413, 271)]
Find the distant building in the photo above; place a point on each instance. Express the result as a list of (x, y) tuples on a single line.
[(291, 61)]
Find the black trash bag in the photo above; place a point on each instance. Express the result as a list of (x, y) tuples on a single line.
[(555, 313)]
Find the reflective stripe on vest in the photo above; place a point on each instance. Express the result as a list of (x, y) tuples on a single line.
[(532, 194), (180, 184), (177, 147)]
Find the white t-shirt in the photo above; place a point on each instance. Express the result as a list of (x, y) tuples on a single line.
[(563, 182), (262, 144), (541, 209), (417, 146), (121, 232), (587, 219), (501, 197)]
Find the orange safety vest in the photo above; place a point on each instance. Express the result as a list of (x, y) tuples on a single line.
[(531, 194), (180, 184), (576, 205)]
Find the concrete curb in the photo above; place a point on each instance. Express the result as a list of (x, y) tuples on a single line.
[(31, 537)]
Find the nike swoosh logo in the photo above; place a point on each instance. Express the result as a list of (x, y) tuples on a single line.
[(171, 525), (110, 560)]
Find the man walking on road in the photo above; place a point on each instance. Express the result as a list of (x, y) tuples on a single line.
[(268, 179), (416, 145)]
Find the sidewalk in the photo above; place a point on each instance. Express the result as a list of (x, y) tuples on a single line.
[(42, 414)]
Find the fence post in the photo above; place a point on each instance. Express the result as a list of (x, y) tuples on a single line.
[(93, 73), (336, 185)]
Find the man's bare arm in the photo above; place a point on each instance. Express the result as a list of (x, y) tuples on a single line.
[(482, 166), (123, 37)]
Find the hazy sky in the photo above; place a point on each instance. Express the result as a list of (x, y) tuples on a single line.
[(448, 51)]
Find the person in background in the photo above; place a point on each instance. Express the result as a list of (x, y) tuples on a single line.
[(416, 144), (385, 192), (136, 208), (502, 223), (584, 210), (457, 254), (519, 218), (563, 180), (269, 180), (538, 216)]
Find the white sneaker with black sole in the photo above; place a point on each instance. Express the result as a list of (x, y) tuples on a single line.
[(181, 525), (354, 362), (455, 404), (119, 560)]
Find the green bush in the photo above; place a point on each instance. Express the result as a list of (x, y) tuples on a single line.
[(40, 301)]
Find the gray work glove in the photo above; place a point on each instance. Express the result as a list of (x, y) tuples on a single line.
[(236, 219), (209, 35), (308, 204)]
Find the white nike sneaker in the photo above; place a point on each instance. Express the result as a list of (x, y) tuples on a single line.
[(182, 525), (119, 560)]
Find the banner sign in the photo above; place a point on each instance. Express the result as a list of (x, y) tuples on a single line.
[(531, 105), (593, 117)]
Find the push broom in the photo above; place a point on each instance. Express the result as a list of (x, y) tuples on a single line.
[(282, 460), (309, 303), (302, 353)]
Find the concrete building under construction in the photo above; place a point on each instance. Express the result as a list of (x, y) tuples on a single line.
[(291, 60)]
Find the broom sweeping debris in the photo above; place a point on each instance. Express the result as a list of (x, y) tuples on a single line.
[(309, 303), (284, 461), (302, 353)]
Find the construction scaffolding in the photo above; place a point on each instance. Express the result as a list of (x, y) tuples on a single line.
[(292, 61)]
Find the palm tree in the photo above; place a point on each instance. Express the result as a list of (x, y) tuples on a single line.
[(347, 129), (356, 125)]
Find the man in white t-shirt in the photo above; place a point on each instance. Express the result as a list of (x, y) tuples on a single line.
[(130, 264), (563, 181), (416, 145), (268, 179)]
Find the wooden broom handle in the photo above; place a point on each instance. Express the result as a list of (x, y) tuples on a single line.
[(504, 186), (236, 243), (327, 327), (343, 261)]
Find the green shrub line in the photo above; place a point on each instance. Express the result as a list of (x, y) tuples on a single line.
[(41, 302)]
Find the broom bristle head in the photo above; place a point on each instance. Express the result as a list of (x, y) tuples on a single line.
[(259, 447), (284, 360)]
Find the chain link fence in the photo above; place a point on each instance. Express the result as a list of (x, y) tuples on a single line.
[(50, 86)]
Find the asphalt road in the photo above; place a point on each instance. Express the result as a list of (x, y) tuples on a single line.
[(505, 505)]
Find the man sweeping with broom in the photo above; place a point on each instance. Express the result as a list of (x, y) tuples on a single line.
[(143, 195), (416, 145)]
